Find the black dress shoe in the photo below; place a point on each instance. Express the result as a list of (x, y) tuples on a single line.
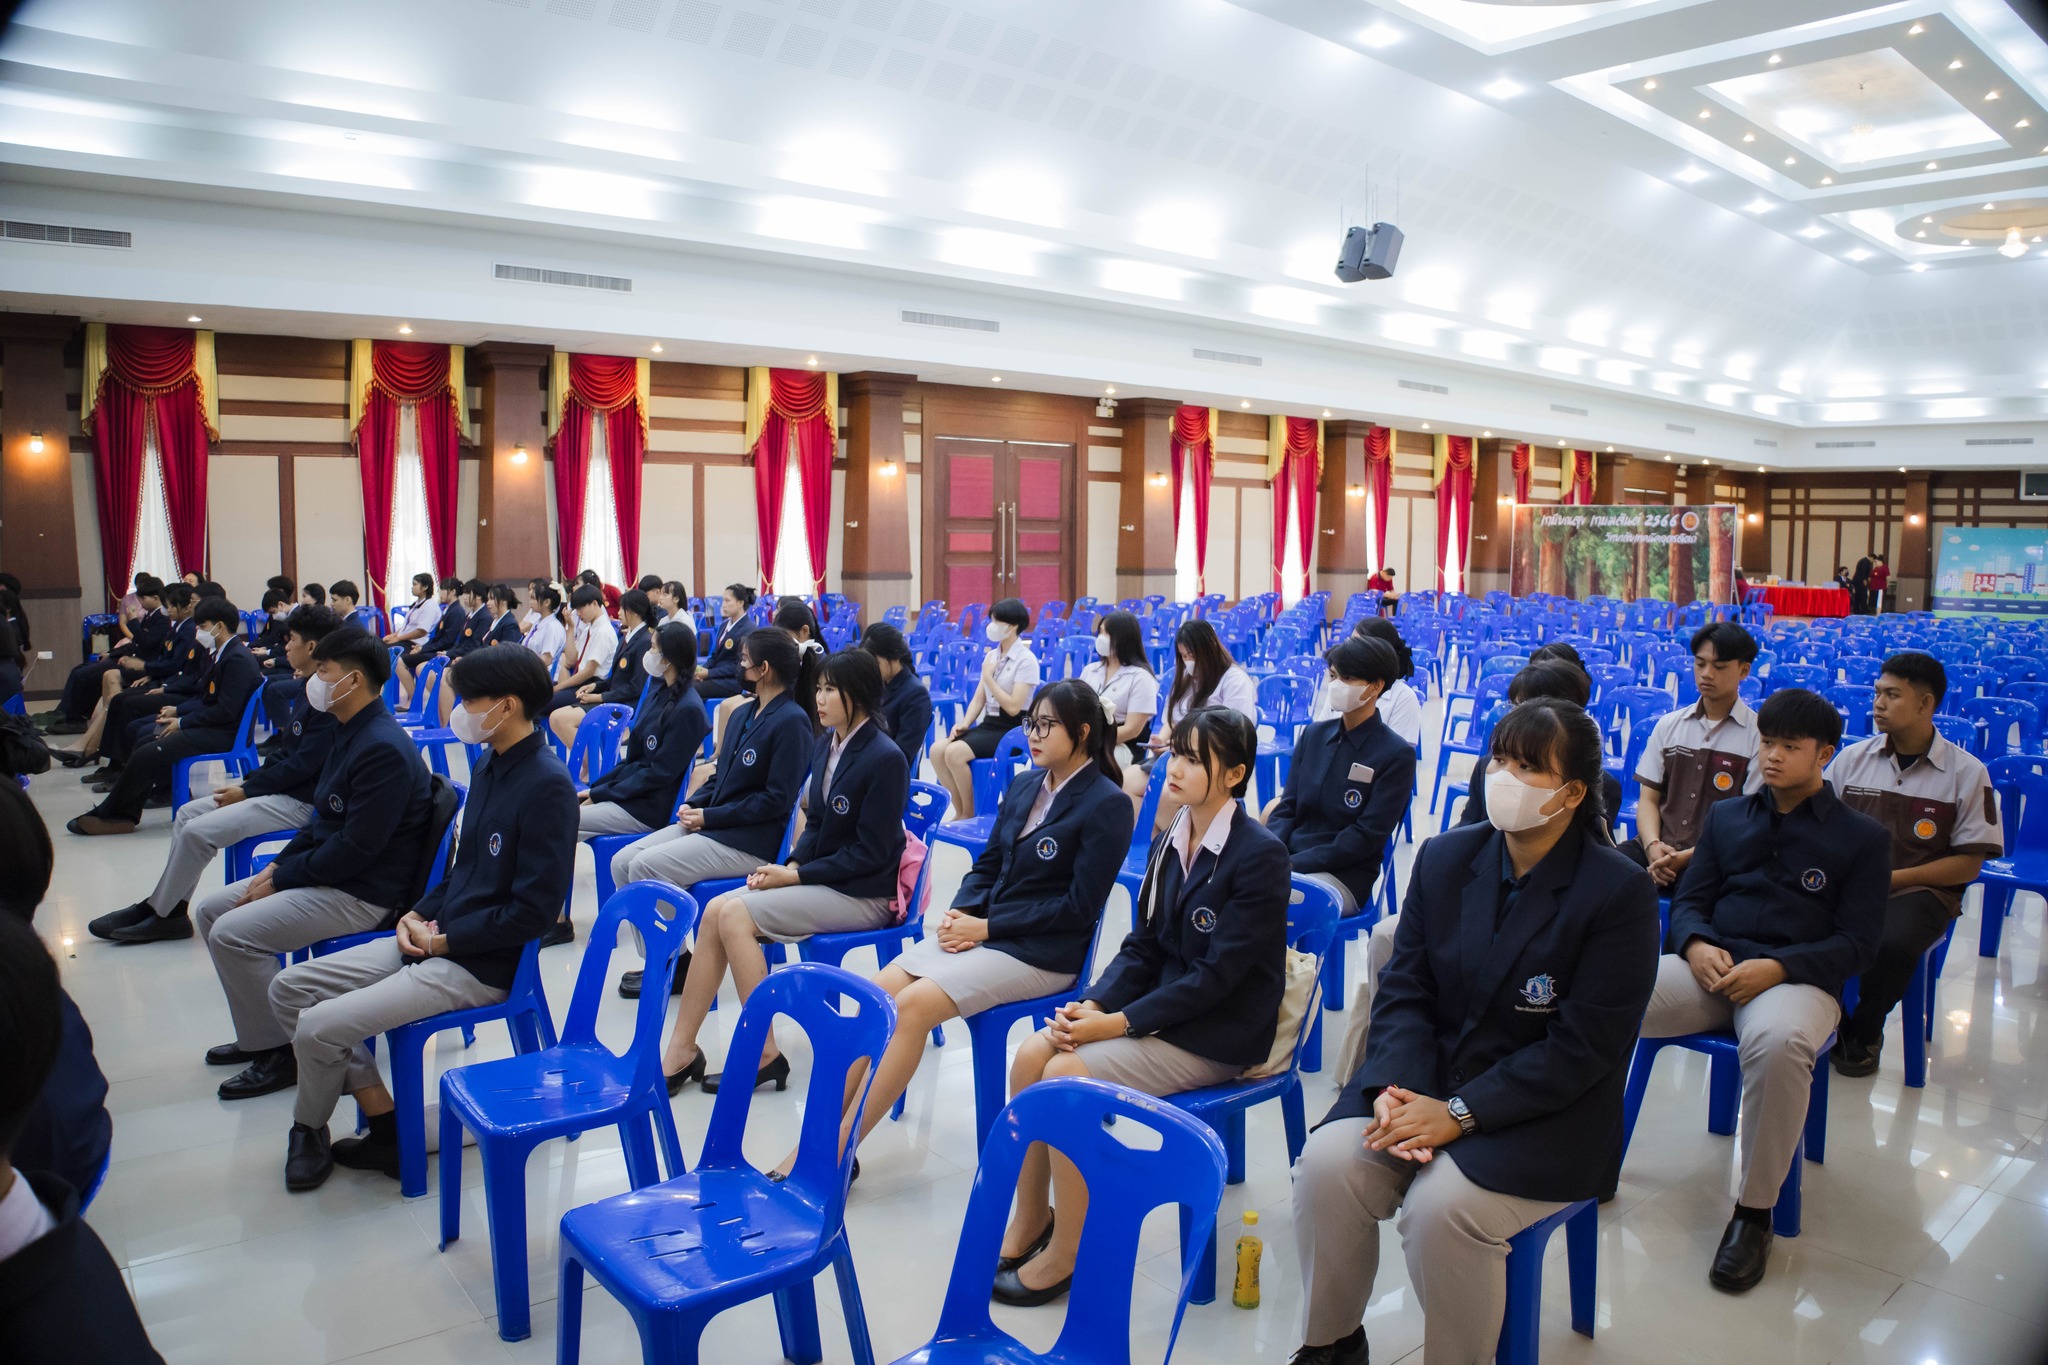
[(693, 1072), (229, 1054), (157, 928), (67, 726), (776, 1071), (104, 773), (269, 1073), (73, 758), (157, 801), (308, 1160), (1855, 1059), (561, 931), (1350, 1350), (1038, 1244), (1744, 1253), (629, 982), (108, 925), (102, 788), (366, 1154), (1012, 1290)]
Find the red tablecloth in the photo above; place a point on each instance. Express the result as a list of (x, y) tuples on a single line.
[(1807, 601)]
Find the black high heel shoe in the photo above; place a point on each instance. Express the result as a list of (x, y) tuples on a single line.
[(693, 1072), (1010, 1288), (776, 1071), (1038, 1244)]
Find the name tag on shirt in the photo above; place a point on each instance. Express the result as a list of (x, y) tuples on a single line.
[(1360, 773)]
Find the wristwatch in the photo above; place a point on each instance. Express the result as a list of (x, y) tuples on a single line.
[(1130, 1029), (1466, 1123)]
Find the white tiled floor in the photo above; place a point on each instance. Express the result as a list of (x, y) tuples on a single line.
[(1926, 1234)]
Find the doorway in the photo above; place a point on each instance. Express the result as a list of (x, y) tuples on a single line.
[(1005, 524)]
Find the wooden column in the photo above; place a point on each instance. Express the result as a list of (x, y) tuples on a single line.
[(1754, 537), (1341, 567), (876, 555), (1913, 571), (511, 496), (1493, 503), (1610, 477), (38, 530), (1144, 539)]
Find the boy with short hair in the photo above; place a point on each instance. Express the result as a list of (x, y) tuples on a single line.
[(1696, 755)]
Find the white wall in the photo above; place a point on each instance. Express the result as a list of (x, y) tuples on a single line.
[(465, 518), (731, 553), (328, 499), (667, 544), (244, 538), (1254, 541)]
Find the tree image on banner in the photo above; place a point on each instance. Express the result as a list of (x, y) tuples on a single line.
[(1670, 554)]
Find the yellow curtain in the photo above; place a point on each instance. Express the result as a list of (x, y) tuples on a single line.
[(95, 367), (1440, 456), (359, 370), (1212, 436), (1319, 450), (558, 388), (458, 387), (643, 384), (204, 366), (1276, 446)]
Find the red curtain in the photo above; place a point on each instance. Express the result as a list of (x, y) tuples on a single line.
[(796, 405), (815, 444), (625, 443), (407, 372), (1379, 483), (1454, 511), (607, 387), (150, 381), (1191, 437), (1578, 484), (1296, 485), (1521, 462), (572, 465)]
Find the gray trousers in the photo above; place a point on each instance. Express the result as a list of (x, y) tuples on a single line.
[(328, 1005), (1777, 1037), (1454, 1234), (204, 827), (606, 817), (670, 855), (244, 941)]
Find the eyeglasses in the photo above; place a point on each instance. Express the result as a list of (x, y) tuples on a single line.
[(1038, 727)]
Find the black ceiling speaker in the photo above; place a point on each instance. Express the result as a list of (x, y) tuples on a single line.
[(1369, 253)]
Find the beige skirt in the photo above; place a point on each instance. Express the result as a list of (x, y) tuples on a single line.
[(980, 976), (1151, 1066)]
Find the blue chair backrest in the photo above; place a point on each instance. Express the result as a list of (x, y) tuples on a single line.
[(598, 736), (634, 904), (1960, 730), (426, 692), (1075, 653), (925, 809), (1091, 1123), (1853, 702), (2000, 715), (2023, 804), (1286, 699), (1859, 669), (1312, 915), (1813, 677), (1010, 754)]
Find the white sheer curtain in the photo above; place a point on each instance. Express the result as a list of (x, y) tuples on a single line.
[(1454, 570), (791, 573), (412, 536), (1184, 577), (1290, 558), (154, 552), (600, 514)]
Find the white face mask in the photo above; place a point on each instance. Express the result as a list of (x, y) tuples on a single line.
[(320, 693), (1512, 805), (653, 662), (468, 725), (996, 632), (1103, 646), (1344, 696)]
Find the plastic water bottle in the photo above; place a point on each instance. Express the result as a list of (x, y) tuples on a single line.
[(1245, 1291)]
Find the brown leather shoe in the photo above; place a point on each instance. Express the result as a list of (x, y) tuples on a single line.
[(90, 825)]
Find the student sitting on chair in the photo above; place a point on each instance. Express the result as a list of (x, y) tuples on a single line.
[(1937, 803), (1491, 1092), (434, 622), (86, 685), (1190, 1000), (734, 822), (1697, 755), (840, 877), (1009, 675), (139, 685), (344, 597), (1124, 681), (1783, 902), (464, 626), (802, 624), (718, 667), (906, 705), (459, 948), (596, 650), (422, 615), (1398, 706), (1351, 780), (546, 633), (348, 871), (1025, 914), (277, 796), (1204, 674)]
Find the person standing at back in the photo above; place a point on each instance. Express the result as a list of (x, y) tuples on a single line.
[(1880, 579)]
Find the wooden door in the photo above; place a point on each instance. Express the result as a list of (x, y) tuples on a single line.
[(971, 496), (1005, 520), (1041, 524)]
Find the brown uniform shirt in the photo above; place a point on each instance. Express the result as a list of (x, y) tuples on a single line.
[(1944, 804), (1692, 762)]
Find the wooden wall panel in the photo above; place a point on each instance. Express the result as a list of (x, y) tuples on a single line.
[(241, 508), (330, 519)]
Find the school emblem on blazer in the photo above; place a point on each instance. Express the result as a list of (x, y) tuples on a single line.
[(298, 727), (497, 844), (1353, 797), (1048, 848), (747, 757), (1923, 828), (1540, 990), (841, 805), (1203, 918), (1813, 879), (334, 803), (653, 743)]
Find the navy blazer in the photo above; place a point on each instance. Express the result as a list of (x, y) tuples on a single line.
[(907, 706), (295, 770), (1206, 965), (447, 630), (748, 800), (68, 1129), (369, 826), (853, 834), (721, 662), (183, 658), (1532, 1025), (506, 630), (1346, 793), (1809, 893), (62, 1296), (513, 863), (474, 635), (230, 679), (659, 750), (146, 637), (1042, 896), (622, 685)]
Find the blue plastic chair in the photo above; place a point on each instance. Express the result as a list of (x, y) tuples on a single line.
[(239, 761), (1520, 1325), (515, 1104), (1131, 876), (679, 1253), (992, 778), (2023, 811), (599, 736), (14, 706), (1087, 1121), (1311, 926), (1724, 1100), (1853, 700), (1479, 743), (2000, 716)]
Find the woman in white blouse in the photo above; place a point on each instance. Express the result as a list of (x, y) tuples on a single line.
[(1009, 678), (1204, 674), (1124, 681), (1399, 707), (545, 635)]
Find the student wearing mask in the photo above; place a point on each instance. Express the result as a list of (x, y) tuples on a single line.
[(61, 1296), (1025, 914), (142, 685), (840, 877), (1783, 902), (206, 722), (1936, 802), (718, 669), (1350, 781), (347, 871), (1491, 1092), (1697, 755), (1009, 675), (1191, 998), (459, 948), (269, 641), (277, 796), (906, 704), (802, 624), (1124, 681), (1399, 707), (1203, 675)]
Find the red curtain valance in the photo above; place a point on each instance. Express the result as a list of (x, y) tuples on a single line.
[(785, 408), (604, 382), (409, 371), (1191, 425), (152, 360), (139, 381), (599, 389)]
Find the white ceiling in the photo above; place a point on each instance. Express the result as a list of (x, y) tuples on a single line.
[(1180, 167)]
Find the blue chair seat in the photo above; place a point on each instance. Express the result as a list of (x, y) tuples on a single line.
[(1519, 1327)]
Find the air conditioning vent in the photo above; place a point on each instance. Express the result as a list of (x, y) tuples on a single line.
[(1573, 412), (1228, 357), (1761, 441), (1998, 440), (574, 279), (1843, 445), (917, 319), (1683, 431), (66, 236), (1420, 387)]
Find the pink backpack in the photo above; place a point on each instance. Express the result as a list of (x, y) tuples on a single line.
[(907, 869)]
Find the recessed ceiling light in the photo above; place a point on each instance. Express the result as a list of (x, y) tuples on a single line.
[(1859, 254), (1111, 390), (2023, 123), (1790, 160), (1379, 35), (1827, 180), (656, 348), (1934, 165), (1691, 175), (1917, 266), (1990, 94), (811, 360), (1812, 231), (1956, 65), (1749, 137), (1425, 426), (1928, 219), (1921, 233), (1650, 84), (1776, 57), (1485, 433), (1916, 30), (995, 379), (1244, 402), (1902, 469), (193, 318), (1610, 448), (1759, 206), (1706, 113), (1326, 412), (1989, 207), (405, 329), (1502, 89)]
